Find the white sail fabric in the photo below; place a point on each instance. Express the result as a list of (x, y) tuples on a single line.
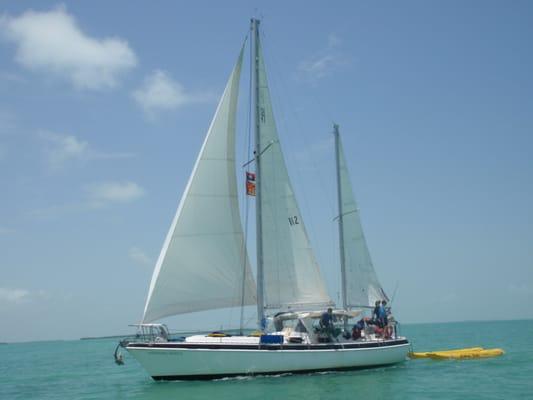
[(203, 261), (362, 285), (291, 273)]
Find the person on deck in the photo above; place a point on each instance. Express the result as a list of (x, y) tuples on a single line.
[(373, 326), (382, 315), (357, 329), (326, 323), (375, 313), (326, 320), (387, 325)]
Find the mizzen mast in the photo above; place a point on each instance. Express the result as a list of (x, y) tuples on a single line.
[(341, 217)]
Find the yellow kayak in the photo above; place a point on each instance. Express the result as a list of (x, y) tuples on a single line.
[(441, 355), (428, 354)]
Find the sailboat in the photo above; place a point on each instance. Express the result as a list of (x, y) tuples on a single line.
[(204, 265)]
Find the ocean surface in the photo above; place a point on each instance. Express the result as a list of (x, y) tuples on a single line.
[(84, 369)]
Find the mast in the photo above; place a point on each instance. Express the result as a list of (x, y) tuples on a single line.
[(257, 153), (341, 216)]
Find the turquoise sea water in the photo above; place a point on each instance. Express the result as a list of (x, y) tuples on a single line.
[(84, 369)]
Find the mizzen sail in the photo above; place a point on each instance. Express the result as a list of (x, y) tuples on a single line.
[(203, 261), (360, 283)]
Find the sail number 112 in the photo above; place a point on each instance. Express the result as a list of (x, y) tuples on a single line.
[(293, 220)]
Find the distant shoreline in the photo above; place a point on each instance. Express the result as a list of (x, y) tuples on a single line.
[(186, 333), (103, 337)]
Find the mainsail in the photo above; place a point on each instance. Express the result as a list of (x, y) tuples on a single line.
[(360, 283), (203, 261), (290, 271)]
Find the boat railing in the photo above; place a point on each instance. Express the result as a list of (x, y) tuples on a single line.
[(152, 333)]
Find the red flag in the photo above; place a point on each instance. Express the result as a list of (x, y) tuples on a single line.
[(250, 183), (250, 188)]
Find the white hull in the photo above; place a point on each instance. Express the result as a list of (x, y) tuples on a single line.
[(183, 362)]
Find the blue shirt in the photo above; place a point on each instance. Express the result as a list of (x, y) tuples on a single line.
[(375, 313), (383, 315), (326, 318)]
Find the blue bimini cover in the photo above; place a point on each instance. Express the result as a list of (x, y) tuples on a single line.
[(271, 339)]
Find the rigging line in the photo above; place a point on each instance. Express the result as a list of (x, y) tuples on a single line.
[(327, 196), (394, 293), (275, 96), (283, 122), (260, 153), (346, 213), (322, 110)]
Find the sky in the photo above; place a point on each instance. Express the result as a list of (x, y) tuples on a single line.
[(104, 106)]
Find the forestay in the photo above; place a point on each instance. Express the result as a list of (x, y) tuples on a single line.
[(203, 259), (291, 273), (361, 282)]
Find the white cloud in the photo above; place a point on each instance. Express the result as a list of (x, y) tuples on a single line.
[(160, 92), (52, 42), (318, 67), (101, 194), (14, 295), (138, 256), (98, 195), (63, 148), (18, 296), (324, 63)]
